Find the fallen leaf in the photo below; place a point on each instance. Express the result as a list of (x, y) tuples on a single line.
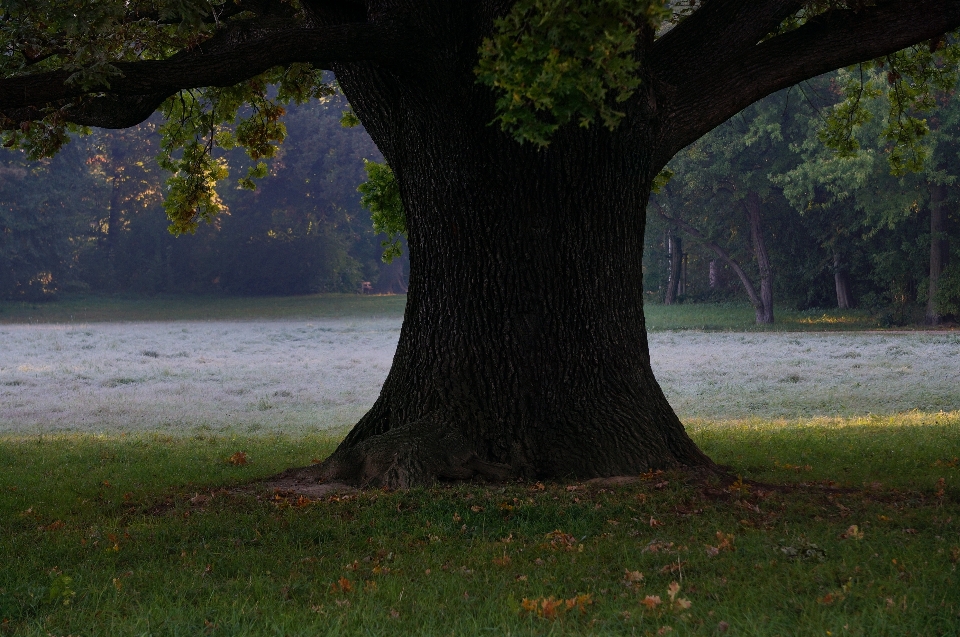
[(341, 585), (651, 601), (560, 540), (238, 459), (852, 533), (632, 576)]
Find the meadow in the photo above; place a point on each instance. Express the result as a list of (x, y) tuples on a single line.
[(130, 453)]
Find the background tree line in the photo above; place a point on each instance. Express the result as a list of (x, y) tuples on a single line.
[(91, 219), (762, 208)]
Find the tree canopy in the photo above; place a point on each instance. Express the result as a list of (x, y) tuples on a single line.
[(209, 67)]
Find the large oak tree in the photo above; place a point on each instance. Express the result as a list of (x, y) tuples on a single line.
[(523, 350)]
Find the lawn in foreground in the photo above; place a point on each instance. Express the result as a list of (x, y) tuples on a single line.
[(145, 534)]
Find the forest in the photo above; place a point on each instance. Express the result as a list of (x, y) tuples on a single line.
[(91, 219), (762, 209)]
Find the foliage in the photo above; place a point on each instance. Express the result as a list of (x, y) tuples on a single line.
[(199, 121), (380, 194), (557, 61), (909, 82), (44, 207), (51, 35), (302, 231), (948, 296)]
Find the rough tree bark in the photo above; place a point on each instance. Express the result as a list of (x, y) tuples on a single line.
[(522, 352), (939, 249)]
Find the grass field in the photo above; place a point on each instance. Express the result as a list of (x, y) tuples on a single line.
[(92, 309), (114, 524), (148, 535), (97, 309)]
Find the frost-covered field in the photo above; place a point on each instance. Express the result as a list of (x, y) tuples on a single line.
[(307, 375)]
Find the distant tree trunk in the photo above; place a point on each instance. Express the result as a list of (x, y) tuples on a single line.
[(117, 158), (675, 252), (842, 280), (714, 274), (765, 310), (717, 249), (939, 249)]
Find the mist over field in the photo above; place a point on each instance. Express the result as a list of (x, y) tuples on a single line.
[(296, 376)]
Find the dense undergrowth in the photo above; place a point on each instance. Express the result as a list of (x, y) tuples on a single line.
[(146, 534)]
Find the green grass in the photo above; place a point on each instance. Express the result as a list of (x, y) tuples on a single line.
[(741, 317), (143, 535), (89, 309), (92, 309)]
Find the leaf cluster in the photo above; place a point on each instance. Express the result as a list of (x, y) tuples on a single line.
[(246, 115), (380, 194), (913, 82), (557, 61)]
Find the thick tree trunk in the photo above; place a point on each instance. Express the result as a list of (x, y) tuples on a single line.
[(841, 279), (939, 249), (523, 352), (764, 311), (675, 253)]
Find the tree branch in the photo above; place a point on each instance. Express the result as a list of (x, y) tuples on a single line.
[(225, 66), (710, 95), (718, 31)]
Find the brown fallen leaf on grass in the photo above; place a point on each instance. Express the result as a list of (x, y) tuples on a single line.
[(651, 601), (343, 585), (679, 603), (238, 459), (724, 543), (551, 607), (852, 533), (632, 577), (53, 526), (562, 541), (502, 561)]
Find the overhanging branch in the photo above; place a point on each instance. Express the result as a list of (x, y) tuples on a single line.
[(712, 94), (224, 67), (719, 30)]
